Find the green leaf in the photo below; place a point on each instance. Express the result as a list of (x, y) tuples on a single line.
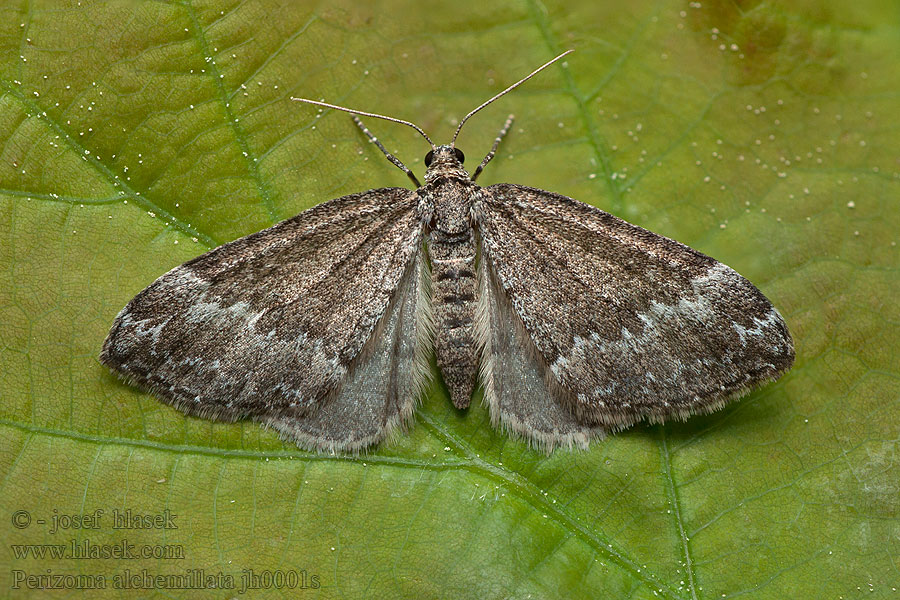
[(136, 135)]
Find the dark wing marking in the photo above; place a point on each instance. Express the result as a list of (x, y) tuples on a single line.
[(631, 324), (270, 323), (383, 384), (518, 392)]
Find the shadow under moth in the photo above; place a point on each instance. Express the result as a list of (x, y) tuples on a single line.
[(577, 322)]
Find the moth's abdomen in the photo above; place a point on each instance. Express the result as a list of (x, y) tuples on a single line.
[(453, 294)]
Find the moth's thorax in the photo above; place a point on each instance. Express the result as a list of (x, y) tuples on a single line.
[(445, 165), (448, 192), (449, 203)]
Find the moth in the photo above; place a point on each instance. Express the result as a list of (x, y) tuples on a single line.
[(322, 326)]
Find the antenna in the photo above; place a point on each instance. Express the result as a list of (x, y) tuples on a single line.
[(377, 116), (507, 90)]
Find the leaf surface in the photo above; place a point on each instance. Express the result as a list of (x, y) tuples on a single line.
[(137, 135)]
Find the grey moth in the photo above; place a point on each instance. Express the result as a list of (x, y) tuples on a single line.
[(575, 322)]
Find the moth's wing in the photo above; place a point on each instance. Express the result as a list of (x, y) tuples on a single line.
[(383, 383), (518, 393), (630, 324), (271, 324)]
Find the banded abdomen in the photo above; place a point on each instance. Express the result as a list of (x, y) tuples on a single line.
[(453, 301)]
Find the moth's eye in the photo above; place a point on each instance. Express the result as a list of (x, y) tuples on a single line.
[(429, 157), (459, 155)]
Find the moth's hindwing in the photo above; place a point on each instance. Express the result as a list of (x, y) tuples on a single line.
[(519, 393), (630, 324), (383, 383), (272, 323)]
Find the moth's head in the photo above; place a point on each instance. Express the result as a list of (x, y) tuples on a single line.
[(445, 161)]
